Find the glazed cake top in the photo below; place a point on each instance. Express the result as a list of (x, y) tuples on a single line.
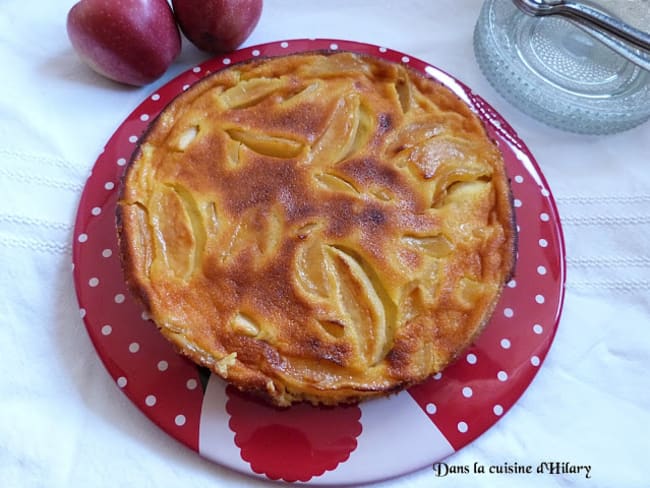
[(321, 227)]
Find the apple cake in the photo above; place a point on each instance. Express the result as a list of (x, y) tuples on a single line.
[(321, 227)]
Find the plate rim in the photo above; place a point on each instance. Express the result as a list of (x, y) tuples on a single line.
[(488, 115)]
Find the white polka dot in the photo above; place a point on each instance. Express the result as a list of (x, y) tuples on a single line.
[(119, 298), (437, 376), (334, 47), (255, 52), (196, 69), (431, 408), (163, 365), (405, 59), (284, 44), (382, 49), (150, 401), (180, 420), (121, 162), (109, 185), (517, 203), (82, 237), (462, 427), (543, 243), (107, 253), (185, 87), (226, 61), (121, 382), (538, 329), (145, 316), (512, 283), (192, 384), (534, 361), (133, 139), (498, 410), (541, 270), (155, 97), (106, 330), (545, 192), (82, 312), (471, 358), (93, 282), (540, 299), (508, 312), (134, 347), (502, 376), (505, 343), (144, 117), (467, 392), (519, 179), (96, 211), (544, 217)]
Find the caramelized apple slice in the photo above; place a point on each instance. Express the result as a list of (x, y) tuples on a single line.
[(267, 145), (249, 92)]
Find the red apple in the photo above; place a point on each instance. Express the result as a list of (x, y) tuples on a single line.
[(130, 41), (217, 26)]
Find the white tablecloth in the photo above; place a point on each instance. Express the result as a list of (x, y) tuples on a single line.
[(64, 423)]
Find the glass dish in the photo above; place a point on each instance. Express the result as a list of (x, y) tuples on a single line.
[(554, 71)]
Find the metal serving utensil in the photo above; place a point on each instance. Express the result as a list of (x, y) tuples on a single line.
[(587, 13), (629, 42)]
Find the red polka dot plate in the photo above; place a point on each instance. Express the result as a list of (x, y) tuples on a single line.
[(344, 445)]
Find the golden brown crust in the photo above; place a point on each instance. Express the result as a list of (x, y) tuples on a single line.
[(320, 227)]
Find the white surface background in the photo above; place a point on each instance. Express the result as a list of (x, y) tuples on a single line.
[(63, 421)]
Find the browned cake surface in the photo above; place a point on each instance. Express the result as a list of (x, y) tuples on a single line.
[(317, 227)]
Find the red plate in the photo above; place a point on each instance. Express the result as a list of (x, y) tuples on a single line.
[(346, 445)]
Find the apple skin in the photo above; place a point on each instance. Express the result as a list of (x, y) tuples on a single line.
[(217, 26), (130, 41)]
